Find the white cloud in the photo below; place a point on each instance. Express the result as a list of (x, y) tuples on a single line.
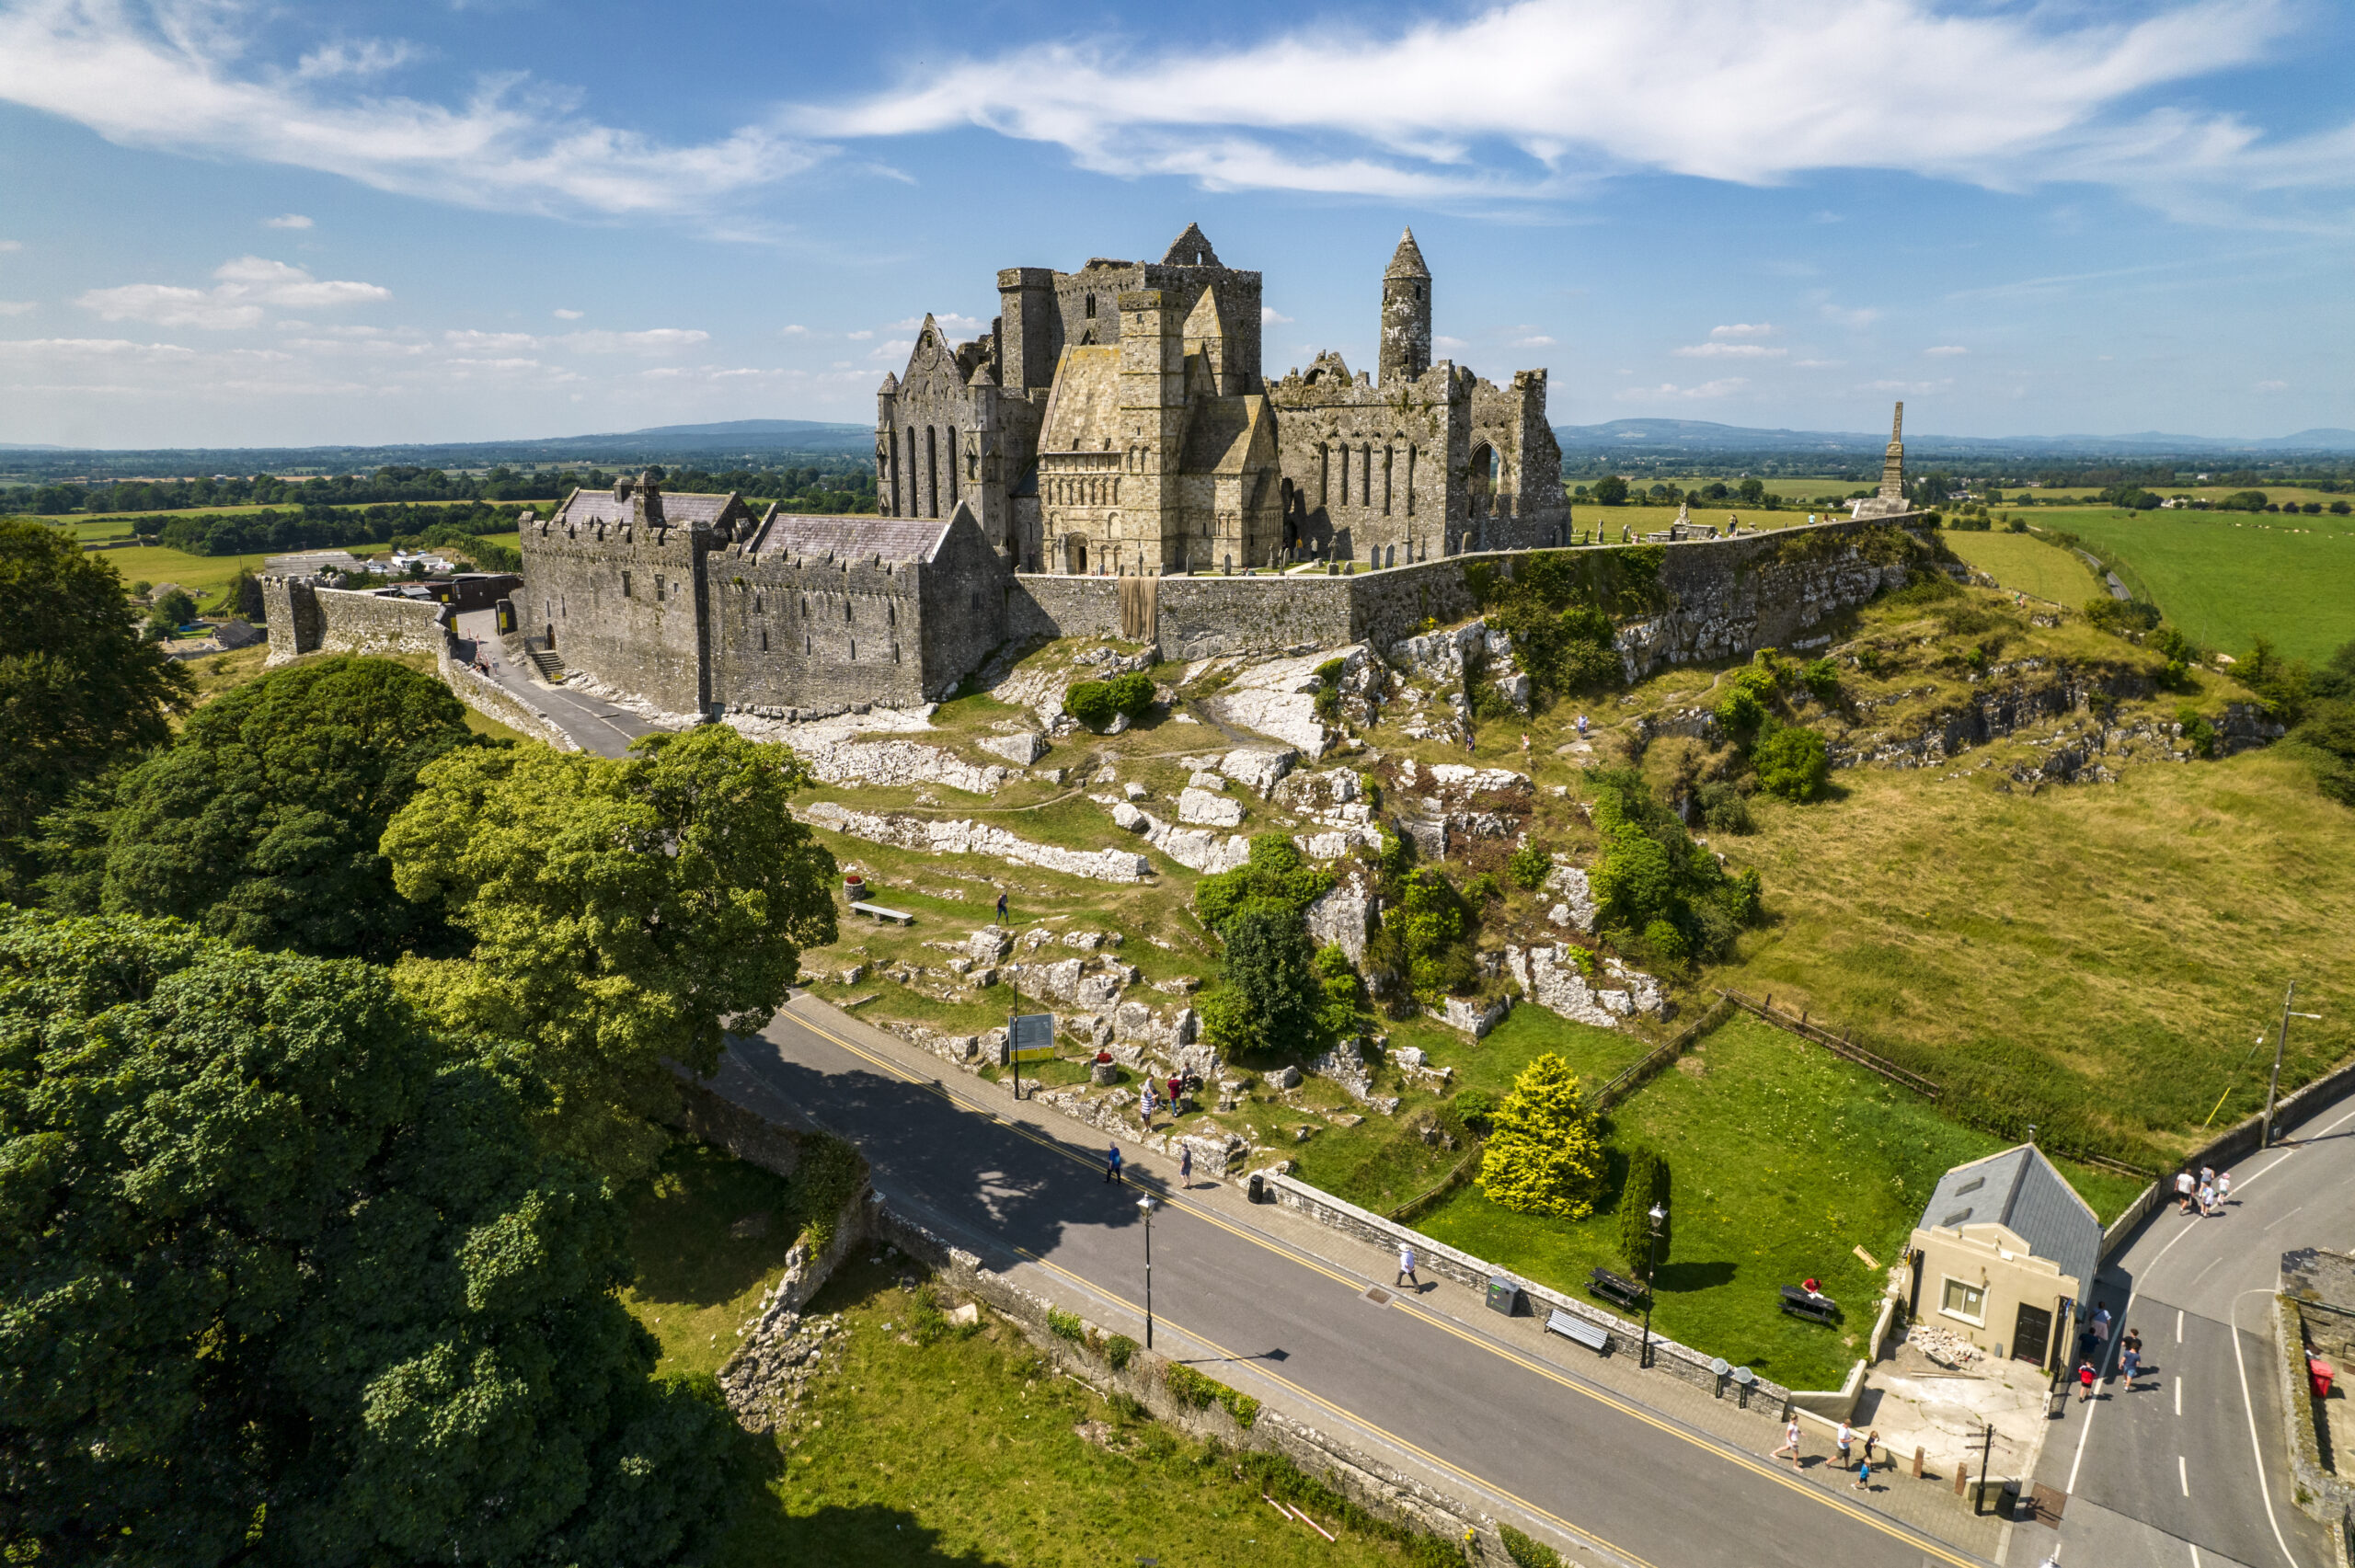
[(653, 341), (1538, 340), (1817, 364), (1743, 329), (238, 300), (1723, 386), (1461, 104), (1946, 350), (563, 315), (468, 341), (17, 307), (1909, 386), (794, 331), (858, 336), (1270, 316), (12, 245), (947, 321), (2272, 386), (179, 76), (1715, 349), (1855, 320), (1444, 341), (892, 348), (287, 221)]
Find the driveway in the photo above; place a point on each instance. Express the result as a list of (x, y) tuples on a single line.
[(594, 726)]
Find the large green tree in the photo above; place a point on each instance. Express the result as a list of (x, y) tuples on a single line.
[(1268, 998), (620, 913), (261, 823), (1545, 1156), (78, 690), (283, 1279)]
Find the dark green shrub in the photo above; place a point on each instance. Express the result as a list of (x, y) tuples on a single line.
[(1529, 867), (1482, 890), (1528, 1553), (1647, 1184), (1118, 1349), (1792, 762), (1723, 808), (1666, 944), (1822, 677), (1130, 694), (1476, 1108), (2197, 731), (1065, 1325), (1090, 702)]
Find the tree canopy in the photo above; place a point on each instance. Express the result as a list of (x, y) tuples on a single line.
[(283, 1278), (621, 911), (1268, 998), (1544, 1156), (78, 690), (261, 823)]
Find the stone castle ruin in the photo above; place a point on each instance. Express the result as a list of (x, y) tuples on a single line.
[(1110, 461), (1115, 421)]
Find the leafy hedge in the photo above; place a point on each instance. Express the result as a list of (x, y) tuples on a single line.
[(1093, 702), (1195, 1391)]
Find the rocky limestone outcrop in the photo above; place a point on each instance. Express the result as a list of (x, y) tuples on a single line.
[(1551, 978), (1203, 808), (966, 837), (1258, 769), (1345, 1064), (1474, 1018), (1021, 748), (1344, 915), (1574, 900), (1279, 698)]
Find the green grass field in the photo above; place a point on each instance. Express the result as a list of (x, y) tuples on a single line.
[(960, 1451), (203, 576), (1784, 1158), (2227, 577), (2027, 563)]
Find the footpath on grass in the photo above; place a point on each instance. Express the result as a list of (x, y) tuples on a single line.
[(1593, 1454)]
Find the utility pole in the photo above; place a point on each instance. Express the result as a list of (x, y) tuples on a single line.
[(2281, 1044), (1651, 1271), (1145, 1206)]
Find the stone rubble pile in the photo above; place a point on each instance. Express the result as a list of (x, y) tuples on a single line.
[(768, 1376)]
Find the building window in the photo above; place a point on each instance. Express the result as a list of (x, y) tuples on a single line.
[(1965, 1300), (1091, 307), (932, 470), (625, 585), (952, 468), (765, 639), (756, 604), (658, 588)]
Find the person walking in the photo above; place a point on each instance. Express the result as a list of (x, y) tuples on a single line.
[(1843, 1441), (1790, 1445), (2086, 1382), (1001, 909), (2185, 1182), (1112, 1165), (1872, 1440), (1864, 1474), (2207, 1201), (1186, 1168), (1407, 1268), (1145, 1106), (2129, 1361), (2223, 1189), (2100, 1326)]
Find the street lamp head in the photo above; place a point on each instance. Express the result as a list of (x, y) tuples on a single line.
[(1145, 1206), (1659, 1214)]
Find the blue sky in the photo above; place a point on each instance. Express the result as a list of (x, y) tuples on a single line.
[(236, 222)]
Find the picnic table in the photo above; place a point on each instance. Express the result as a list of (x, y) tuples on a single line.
[(1815, 1308)]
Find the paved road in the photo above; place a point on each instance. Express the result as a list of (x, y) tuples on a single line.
[(596, 726), (2169, 1473), (1576, 1462)]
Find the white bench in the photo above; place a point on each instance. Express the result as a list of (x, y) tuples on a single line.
[(899, 917), (1593, 1336)]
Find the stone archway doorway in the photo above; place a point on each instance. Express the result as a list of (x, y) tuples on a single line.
[(1075, 554)]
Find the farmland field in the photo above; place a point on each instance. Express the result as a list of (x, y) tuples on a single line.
[(2227, 577), (2024, 562)]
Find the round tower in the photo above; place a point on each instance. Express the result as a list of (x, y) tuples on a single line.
[(1405, 314)]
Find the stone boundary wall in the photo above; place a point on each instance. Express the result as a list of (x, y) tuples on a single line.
[(2237, 1142), (2320, 1493), (1731, 596), (306, 618), (1357, 1475), (708, 1117), (1678, 1361)]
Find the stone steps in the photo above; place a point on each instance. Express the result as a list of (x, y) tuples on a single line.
[(551, 666)]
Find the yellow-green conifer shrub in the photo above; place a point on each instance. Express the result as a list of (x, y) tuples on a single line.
[(1543, 1157)]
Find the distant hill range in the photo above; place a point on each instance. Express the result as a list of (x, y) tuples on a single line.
[(725, 444), (1664, 436)]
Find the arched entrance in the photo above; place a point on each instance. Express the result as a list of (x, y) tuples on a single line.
[(1480, 478), (1075, 554)]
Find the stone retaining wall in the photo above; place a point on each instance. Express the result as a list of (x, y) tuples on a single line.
[(2320, 1492), (1678, 1361)]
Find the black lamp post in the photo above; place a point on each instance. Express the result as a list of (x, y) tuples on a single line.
[(1145, 1206), (1650, 1270)]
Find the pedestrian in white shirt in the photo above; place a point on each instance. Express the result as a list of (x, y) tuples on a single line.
[(1848, 1435), (1407, 1268), (1790, 1445)]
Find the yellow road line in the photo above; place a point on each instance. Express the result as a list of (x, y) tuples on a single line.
[(1733, 1456)]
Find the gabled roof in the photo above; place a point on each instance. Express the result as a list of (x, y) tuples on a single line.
[(1085, 409), (1226, 433), (2019, 1190), (855, 538), (681, 509)]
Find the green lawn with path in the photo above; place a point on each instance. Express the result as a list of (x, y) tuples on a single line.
[(1785, 1157), (2028, 564)]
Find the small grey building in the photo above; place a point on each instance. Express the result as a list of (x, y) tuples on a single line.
[(2005, 1255)]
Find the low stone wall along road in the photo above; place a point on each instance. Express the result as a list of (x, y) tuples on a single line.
[(1610, 1464)]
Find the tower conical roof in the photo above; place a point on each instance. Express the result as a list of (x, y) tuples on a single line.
[(1406, 261)]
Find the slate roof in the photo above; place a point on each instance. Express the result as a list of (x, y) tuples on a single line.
[(680, 508), (854, 538), (2020, 1190), (1084, 411)]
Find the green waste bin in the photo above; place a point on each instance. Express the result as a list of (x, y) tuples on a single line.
[(1504, 1293)]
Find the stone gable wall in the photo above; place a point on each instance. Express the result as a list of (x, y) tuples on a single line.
[(835, 632)]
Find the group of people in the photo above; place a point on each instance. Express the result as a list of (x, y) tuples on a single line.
[(2207, 1189), (2093, 1352), (1844, 1441)]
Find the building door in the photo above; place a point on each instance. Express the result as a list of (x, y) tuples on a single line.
[(2032, 1335)]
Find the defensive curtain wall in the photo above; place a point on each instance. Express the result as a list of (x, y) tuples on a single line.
[(1715, 597), (305, 618)]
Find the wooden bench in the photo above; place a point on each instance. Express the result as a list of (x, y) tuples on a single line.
[(1814, 1309), (1593, 1336), (1615, 1287), (898, 916)]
